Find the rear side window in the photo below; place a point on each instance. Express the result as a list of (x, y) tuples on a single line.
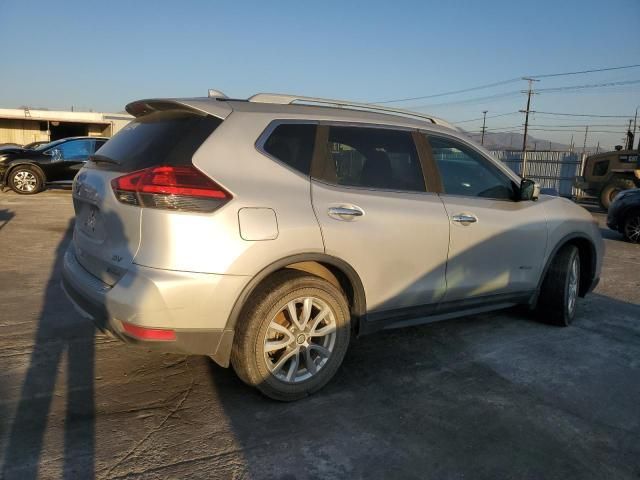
[(159, 138), (600, 168), (373, 158), (292, 144)]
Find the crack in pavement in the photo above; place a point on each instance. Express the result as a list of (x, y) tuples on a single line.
[(137, 446)]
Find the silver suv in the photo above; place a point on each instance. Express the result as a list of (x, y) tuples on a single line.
[(266, 233)]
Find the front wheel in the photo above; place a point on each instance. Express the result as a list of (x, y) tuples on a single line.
[(631, 228), (25, 180), (292, 336), (559, 292)]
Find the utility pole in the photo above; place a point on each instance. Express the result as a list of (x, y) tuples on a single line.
[(571, 144), (484, 122), (598, 148), (529, 92), (584, 145), (630, 140)]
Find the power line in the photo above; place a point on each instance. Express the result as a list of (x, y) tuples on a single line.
[(584, 71), (584, 125), (503, 82), (592, 85), (581, 114), (453, 92), (468, 100), (489, 116)]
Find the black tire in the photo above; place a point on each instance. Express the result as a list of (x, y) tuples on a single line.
[(611, 189), (248, 356), (18, 177), (631, 227), (554, 303)]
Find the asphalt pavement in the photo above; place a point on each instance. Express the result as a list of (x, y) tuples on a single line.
[(485, 397)]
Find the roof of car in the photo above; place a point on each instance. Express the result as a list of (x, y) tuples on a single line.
[(283, 105)]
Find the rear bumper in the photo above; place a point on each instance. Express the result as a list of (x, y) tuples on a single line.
[(195, 306)]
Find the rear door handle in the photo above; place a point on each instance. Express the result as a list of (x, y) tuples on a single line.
[(464, 218), (345, 213)]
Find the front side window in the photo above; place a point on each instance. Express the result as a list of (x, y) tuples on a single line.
[(373, 158), (600, 168), (75, 150), (466, 172), (292, 143)]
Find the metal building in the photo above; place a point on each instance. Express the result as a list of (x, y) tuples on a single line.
[(22, 126)]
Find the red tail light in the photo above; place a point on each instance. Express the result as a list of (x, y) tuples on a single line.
[(172, 188)]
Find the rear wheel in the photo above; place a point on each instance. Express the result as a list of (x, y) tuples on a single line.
[(293, 335), (25, 180), (631, 228), (613, 188), (559, 292)]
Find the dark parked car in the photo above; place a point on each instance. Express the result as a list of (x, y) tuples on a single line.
[(33, 145), (27, 171), (624, 214)]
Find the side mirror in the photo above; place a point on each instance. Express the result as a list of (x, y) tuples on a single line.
[(529, 190)]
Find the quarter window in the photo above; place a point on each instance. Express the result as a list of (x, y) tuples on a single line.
[(373, 158), (292, 143), (466, 172)]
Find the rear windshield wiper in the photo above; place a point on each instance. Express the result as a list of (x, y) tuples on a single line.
[(102, 159)]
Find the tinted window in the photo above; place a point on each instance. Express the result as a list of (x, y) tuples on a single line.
[(373, 158), (292, 143), (98, 144), (600, 168), (75, 150), (159, 138), (466, 172)]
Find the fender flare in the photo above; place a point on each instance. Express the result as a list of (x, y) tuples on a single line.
[(359, 306), (222, 353), (584, 288)]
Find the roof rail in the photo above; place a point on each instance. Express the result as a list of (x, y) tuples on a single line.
[(284, 99)]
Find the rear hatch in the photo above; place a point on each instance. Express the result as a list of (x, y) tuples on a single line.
[(108, 205)]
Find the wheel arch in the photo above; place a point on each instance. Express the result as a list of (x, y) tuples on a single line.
[(322, 265), (588, 260), (332, 269), (23, 163)]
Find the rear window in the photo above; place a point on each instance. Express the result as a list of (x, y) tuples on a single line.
[(160, 138)]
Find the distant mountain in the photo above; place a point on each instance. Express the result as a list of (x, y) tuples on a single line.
[(513, 141)]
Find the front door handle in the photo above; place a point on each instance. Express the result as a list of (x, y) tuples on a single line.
[(464, 218), (345, 213)]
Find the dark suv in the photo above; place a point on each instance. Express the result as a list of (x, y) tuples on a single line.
[(624, 214), (27, 171)]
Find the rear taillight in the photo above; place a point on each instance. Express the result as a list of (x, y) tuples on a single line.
[(171, 188)]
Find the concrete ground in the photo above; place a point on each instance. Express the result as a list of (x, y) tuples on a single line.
[(491, 396)]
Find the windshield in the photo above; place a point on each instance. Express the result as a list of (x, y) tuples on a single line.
[(44, 146)]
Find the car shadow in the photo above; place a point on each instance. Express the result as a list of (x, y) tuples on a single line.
[(60, 333), (5, 217), (478, 397)]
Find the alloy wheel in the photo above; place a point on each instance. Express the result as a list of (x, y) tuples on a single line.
[(300, 339), (632, 229), (25, 181), (573, 285)]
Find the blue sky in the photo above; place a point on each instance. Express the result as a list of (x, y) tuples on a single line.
[(101, 55)]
